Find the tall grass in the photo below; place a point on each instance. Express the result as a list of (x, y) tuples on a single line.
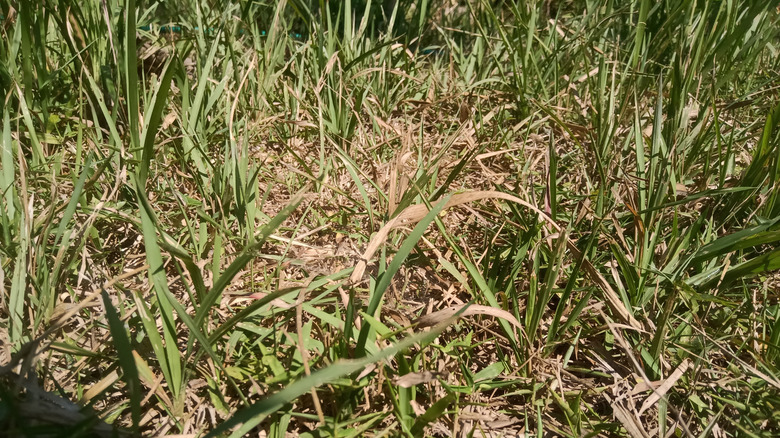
[(406, 218)]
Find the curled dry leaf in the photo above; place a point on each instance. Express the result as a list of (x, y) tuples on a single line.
[(434, 318), (412, 379)]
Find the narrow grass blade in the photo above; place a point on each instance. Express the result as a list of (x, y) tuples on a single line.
[(368, 53), (432, 414), (384, 281), (251, 416), (131, 75), (155, 340), (7, 177), (350, 166), (553, 332), (159, 280), (152, 120), (126, 359), (762, 264), (247, 312), (16, 300), (247, 254), (70, 210), (747, 238), (38, 155)]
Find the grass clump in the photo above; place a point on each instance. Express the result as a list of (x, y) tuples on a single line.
[(408, 218)]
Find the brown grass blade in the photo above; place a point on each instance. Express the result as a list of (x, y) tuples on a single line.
[(434, 318)]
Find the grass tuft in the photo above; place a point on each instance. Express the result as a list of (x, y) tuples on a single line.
[(390, 218)]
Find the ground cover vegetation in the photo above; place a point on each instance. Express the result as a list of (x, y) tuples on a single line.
[(400, 218)]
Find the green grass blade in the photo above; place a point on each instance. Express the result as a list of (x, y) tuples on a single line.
[(131, 76), (759, 235), (403, 252), (247, 255), (16, 300), (432, 414), (152, 120), (155, 340), (350, 166), (38, 154), (75, 197), (251, 416), (7, 178), (159, 280), (124, 351), (759, 265)]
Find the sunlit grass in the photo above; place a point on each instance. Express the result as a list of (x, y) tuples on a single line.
[(409, 218)]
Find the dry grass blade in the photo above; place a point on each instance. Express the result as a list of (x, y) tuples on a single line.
[(434, 318), (661, 391), (415, 213), (633, 426), (411, 379), (638, 368)]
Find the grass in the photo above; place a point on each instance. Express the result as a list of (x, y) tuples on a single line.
[(399, 218)]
